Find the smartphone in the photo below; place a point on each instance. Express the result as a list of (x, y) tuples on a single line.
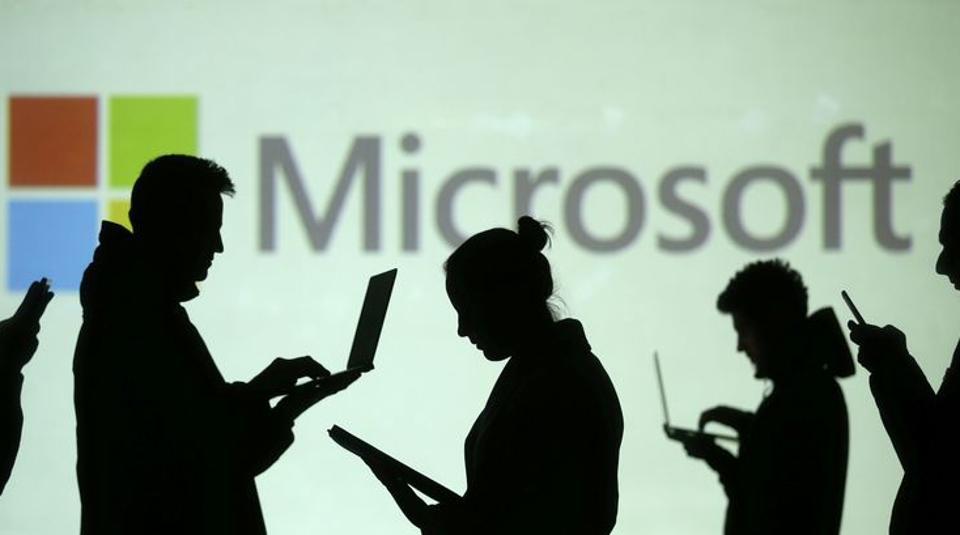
[(852, 307)]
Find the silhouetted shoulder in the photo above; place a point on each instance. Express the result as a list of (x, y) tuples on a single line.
[(570, 368), (819, 388), (114, 281)]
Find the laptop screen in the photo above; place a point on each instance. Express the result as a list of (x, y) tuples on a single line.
[(374, 310), (663, 394)]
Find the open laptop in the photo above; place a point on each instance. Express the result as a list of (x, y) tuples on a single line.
[(367, 335), (679, 433)]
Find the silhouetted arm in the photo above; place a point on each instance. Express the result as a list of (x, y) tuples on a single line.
[(11, 423), (724, 463), (259, 434), (906, 403), (547, 498), (267, 432), (264, 433), (905, 400), (18, 343)]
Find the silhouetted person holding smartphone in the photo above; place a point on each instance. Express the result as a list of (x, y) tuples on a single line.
[(542, 456), (18, 343), (790, 471), (164, 444), (924, 426)]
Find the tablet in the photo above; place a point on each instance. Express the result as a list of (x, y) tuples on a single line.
[(362, 449)]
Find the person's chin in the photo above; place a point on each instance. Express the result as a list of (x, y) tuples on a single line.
[(201, 274), (493, 356)]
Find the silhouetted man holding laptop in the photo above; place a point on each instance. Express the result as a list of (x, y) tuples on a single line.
[(164, 443), (789, 474)]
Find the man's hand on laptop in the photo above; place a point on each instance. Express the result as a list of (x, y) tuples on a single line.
[(733, 418), (304, 396), (699, 446), (281, 376), (704, 447)]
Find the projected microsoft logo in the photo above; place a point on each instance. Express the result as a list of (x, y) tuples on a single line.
[(57, 191)]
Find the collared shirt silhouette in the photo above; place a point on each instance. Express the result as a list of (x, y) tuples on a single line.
[(922, 423), (790, 471), (164, 444), (542, 456)]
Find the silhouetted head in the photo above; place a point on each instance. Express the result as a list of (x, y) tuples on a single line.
[(768, 302), (948, 263), (176, 212), (499, 283)]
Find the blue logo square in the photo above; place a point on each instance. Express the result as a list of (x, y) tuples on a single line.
[(50, 238)]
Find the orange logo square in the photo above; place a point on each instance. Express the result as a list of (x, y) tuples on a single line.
[(53, 141)]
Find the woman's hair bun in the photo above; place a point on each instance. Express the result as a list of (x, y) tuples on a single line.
[(533, 233)]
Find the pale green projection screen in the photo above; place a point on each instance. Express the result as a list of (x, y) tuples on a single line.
[(668, 142)]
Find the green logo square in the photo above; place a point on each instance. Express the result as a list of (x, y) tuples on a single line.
[(144, 127)]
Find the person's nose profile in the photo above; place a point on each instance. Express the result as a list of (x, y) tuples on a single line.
[(941, 265)]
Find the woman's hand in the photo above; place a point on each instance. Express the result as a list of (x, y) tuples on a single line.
[(412, 507)]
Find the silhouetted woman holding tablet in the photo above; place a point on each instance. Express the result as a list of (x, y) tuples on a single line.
[(542, 455)]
